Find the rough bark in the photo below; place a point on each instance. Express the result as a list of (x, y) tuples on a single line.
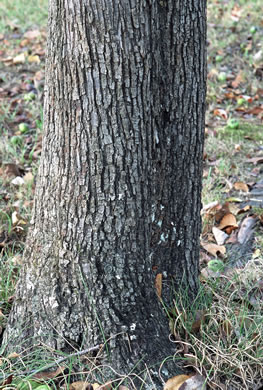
[(119, 186)]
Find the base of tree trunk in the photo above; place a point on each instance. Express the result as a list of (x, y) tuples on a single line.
[(141, 360), (150, 370), (138, 366)]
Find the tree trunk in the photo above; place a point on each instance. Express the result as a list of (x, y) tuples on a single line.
[(118, 194)]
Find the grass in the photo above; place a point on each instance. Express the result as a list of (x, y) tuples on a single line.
[(221, 333), (250, 131), (22, 15)]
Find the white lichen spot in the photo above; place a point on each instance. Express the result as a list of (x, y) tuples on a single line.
[(164, 274), (153, 217), (29, 286), (178, 242), (132, 327), (120, 196), (133, 337), (164, 237), (161, 207), (156, 137), (118, 277), (53, 303), (159, 223)]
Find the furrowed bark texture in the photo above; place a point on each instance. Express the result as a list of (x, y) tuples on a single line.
[(119, 186)]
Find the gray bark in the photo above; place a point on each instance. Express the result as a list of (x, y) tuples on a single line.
[(118, 194)]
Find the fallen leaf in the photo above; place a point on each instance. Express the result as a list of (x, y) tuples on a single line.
[(256, 254), (49, 375), (247, 98), (255, 160), (20, 59), (32, 34), (33, 59), (28, 178), (255, 110), (199, 318), (18, 181), (233, 208), (238, 80), (204, 257), (13, 355), (95, 386), (219, 235), (214, 249), (175, 382), (196, 382), (221, 212), (12, 170), (236, 13), (244, 209), (240, 186), (80, 385), (24, 42), (246, 229), (220, 112), (158, 285), (15, 218), (209, 206), (229, 220)]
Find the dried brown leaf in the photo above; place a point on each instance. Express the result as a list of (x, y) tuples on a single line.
[(244, 209), (214, 249), (220, 112), (238, 80), (228, 220), (158, 284), (12, 170), (221, 212), (50, 375), (240, 186), (175, 382), (13, 355), (80, 385), (199, 318)]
